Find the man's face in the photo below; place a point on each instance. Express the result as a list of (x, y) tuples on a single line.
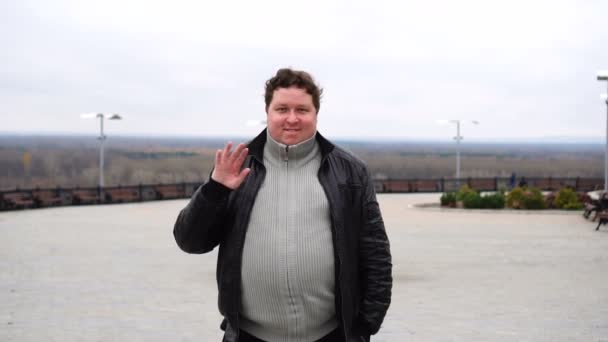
[(291, 116)]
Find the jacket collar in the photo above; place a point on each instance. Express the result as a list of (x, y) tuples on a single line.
[(277, 152), (256, 146)]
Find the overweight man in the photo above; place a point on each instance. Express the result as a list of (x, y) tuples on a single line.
[(303, 253)]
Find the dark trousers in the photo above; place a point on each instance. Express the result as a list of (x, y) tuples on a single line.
[(333, 336)]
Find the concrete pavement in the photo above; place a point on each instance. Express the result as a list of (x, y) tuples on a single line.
[(114, 273)]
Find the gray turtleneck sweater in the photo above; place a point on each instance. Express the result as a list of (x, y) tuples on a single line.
[(288, 260)]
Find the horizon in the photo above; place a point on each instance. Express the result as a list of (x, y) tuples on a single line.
[(550, 140)]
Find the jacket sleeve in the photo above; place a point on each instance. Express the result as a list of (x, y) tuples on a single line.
[(200, 225), (374, 262)]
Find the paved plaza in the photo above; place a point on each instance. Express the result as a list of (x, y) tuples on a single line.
[(114, 273)]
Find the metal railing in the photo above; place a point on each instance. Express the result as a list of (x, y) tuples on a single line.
[(485, 184), (49, 197)]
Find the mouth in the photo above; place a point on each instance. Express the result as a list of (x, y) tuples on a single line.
[(292, 130)]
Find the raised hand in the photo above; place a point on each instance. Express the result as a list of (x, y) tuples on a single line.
[(228, 165)]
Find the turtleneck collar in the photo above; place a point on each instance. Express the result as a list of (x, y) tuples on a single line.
[(303, 152)]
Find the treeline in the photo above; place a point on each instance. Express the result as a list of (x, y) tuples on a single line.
[(74, 167), (74, 162), (437, 166)]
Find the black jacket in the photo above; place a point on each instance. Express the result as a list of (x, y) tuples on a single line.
[(217, 215)]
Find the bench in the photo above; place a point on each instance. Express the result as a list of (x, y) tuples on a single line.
[(589, 184), (603, 219), (46, 198), (169, 191), (590, 208), (120, 195), (545, 184), (482, 184), (596, 206), (396, 186), (85, 196), (18, 200), (424, 186)]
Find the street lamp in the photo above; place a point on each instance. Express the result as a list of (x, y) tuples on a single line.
[(102, 138), (603, 76), (458, 138)]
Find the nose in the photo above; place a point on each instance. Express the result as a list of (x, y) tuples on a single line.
[(292, 117)]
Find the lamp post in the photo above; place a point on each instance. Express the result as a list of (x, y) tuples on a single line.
[(458, 138), (603, 76), (102, 138)]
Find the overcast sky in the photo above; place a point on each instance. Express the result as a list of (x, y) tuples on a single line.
[(391, 69)]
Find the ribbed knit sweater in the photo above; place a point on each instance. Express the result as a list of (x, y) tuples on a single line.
[(288, 260)]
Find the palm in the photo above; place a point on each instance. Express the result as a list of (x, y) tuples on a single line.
[(228, 165)]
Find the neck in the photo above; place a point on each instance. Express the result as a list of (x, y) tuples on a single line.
[(276, 151)]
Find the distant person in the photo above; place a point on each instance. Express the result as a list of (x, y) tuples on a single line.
[(512, 180), (303, 253), (522, 182)]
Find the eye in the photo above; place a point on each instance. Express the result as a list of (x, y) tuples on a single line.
[(302, 110), (281, 109)]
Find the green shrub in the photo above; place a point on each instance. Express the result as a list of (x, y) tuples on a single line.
[(525, 198), (463, 192), (567, 199), (448, 198), (471, 200), (515, 198), (574, 206), (533, 199), (474, 200), (494, 201)]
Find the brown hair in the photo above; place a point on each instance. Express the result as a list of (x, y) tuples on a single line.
[(286, 78)]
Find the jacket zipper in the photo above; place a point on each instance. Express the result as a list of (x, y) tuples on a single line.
[(289, 286)]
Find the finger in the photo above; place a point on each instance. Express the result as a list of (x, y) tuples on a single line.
[(218, 157), (241, 157), (237, 153), (226, 153)]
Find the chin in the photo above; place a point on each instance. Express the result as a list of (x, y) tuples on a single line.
[(290, 142)]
